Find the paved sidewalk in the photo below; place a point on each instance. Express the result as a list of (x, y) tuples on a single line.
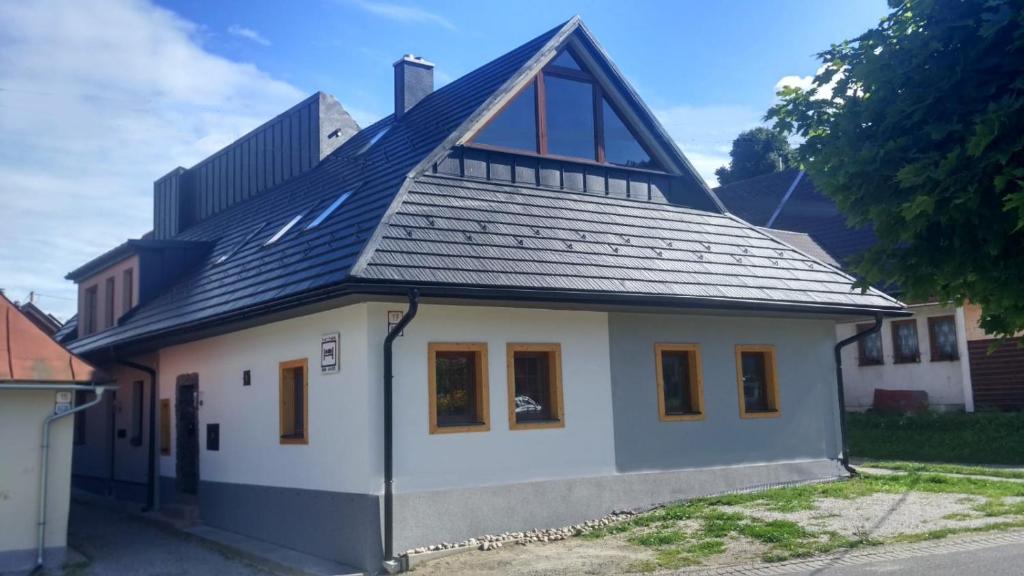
[(886, 557)]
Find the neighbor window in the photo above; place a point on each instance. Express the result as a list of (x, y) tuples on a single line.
[(109, 312), (756, 380), (457, 376), (563, 111), (127, 285), (942, 338), (535, 386), (89, 312), (904, 342), (81, 396), (165, 426), (137, 410), (294, 402), (869, 348), (680, 393)]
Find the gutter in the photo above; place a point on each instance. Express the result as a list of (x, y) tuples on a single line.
[(153, 392), (45, 448), (845, 457), (391, 564)]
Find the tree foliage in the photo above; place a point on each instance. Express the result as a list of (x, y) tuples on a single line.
[(756, 152), (917, 128)]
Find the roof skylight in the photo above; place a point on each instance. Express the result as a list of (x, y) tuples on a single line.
[(284, 230), (224, 257), (380, 133), (329, 210)]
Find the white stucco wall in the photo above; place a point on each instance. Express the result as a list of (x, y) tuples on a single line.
[(338, 456), (21, 433), (584, 447), (943, 380)]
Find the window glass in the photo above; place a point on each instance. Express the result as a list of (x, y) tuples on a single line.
[(293, 402), (81, 397), (904, 341), (516, 125), (942, 333), (620, 147), (109, 312), (755, 382), (129, 289), (566, 60), (90, 310), (137, 408), (535, 385), (676, 383), (165, 426), (870, 346), (570, 117), (456, 388)]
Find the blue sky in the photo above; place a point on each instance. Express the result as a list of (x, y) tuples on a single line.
[(100, 97)]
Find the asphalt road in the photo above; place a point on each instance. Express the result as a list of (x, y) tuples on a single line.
[(1003, 560)]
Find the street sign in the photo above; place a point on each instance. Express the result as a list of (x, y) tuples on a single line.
[(329, 350)]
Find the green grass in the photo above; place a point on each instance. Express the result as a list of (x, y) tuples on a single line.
[(949, 469), (688, 533), (980, 438)]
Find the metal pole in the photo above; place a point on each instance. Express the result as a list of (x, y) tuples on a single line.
[(845, 458)]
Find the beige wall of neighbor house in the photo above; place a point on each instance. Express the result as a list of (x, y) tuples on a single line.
[(21, 429), (943, 380), (99, 282)]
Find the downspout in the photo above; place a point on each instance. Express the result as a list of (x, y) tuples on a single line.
[(845, 457), (153, 393), (45, 452), (391, 564)]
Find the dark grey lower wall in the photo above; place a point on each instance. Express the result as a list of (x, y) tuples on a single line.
[(21, 561), (340, 526), (432, 517), (168, 490), (119, 489)]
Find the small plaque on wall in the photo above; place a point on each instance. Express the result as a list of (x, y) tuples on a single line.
[(329, 350)]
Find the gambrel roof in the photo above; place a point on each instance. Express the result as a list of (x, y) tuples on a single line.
[(579, 243)]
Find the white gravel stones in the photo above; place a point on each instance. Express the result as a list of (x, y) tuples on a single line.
[(537, 535)]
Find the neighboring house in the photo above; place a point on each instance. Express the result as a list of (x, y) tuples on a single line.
[(38, 381), (48, 323), (572, 322), (940, 350)]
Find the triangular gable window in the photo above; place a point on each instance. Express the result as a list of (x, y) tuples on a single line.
[(563, 112)]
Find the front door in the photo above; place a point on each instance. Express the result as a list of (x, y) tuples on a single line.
[(187, 419)]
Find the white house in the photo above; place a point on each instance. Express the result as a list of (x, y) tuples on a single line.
[(510, 304)]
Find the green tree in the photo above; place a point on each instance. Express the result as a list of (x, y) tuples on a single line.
[(916, 127), (756, 152)]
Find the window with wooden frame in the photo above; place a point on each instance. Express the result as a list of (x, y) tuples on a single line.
[(127, 285), (138, 408), (89, 309), (680, 388), (165, 426), (534, 386), (942, 339), (756, 381), (869, 348), (109, 311), (905, 347), (293, 401), (457, 375), (564, 112)]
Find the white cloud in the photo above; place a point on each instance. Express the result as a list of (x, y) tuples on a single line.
[(97, 99), (705, 133), (807, 82), (248, 34), (401, 13)]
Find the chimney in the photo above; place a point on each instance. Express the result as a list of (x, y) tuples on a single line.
[(414, 79)]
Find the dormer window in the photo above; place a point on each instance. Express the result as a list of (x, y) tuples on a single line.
[(564, 112)]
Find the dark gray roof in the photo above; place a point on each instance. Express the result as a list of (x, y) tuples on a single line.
[(475, 233), (806, 210), (802, 242)]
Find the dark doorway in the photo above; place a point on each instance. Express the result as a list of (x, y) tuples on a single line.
[(187, 420)]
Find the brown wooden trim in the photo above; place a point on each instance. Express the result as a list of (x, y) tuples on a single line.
[(304, 364), (933, 348), (696, 382), (569, 74), (483, 405), (542, 116), (576, 160), (770, 373), (896, 358), (555, 379), (861, 358), (598, 124)]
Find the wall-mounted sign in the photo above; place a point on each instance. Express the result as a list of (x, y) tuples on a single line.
[(329, 350), (394, 317), (63, 402)]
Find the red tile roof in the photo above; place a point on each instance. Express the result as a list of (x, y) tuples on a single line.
[(27, 354)]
